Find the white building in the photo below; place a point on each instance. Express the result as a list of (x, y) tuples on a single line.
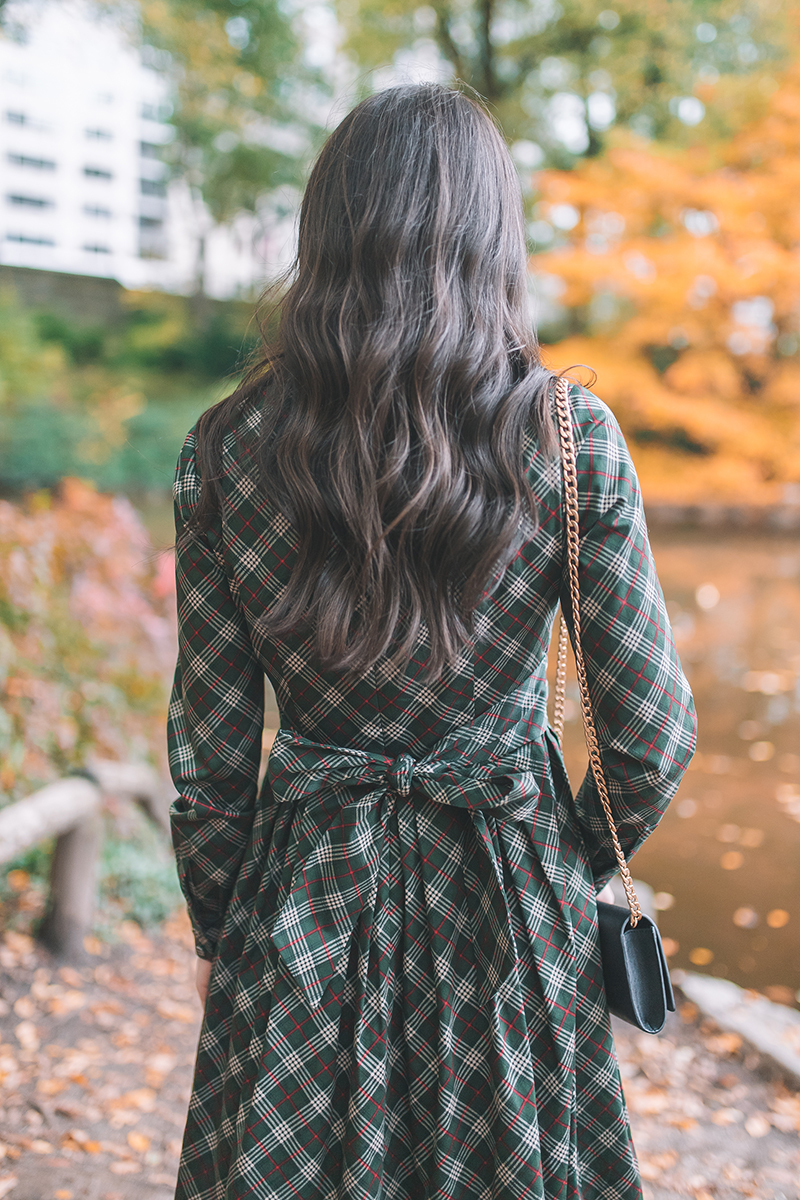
[(83, 120)]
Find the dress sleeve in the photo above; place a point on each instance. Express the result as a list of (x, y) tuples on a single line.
[(642, 702), (215, 720)]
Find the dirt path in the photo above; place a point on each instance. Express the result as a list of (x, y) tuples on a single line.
[(95, 1067)]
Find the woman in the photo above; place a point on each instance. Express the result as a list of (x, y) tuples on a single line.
[(405, 998)]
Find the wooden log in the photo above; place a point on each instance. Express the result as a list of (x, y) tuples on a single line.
[(69, 811), (139, 781), (47, 813), (71, 902)]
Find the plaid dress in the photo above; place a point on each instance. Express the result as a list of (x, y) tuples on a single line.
[(406, 1001)]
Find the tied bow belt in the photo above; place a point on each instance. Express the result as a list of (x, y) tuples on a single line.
[(338, 879)]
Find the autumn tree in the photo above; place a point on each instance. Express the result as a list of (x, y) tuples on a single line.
[(562, 74), (676, 277)]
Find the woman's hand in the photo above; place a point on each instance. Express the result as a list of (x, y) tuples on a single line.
[(202, 976)]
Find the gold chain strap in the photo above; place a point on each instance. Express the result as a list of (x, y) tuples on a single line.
[(561, 680), (570, 469)]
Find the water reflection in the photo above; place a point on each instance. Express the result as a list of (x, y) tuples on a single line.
[(725, 861)]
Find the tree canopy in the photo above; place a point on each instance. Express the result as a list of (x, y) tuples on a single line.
[(560, 74), (677, 277), (236, 71), (242, 98)]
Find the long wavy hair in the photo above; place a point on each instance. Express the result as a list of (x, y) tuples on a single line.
[(397, 385)]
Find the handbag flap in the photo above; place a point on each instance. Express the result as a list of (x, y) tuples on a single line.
[(646, 973)]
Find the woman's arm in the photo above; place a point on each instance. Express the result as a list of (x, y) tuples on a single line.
[(641, 700), (215, 721)]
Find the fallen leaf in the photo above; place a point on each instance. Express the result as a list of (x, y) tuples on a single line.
[(68, 1002), (684, 1123), (787, 1104), (726, 1116), (757, 1126), (160, 966), (71, 977), (723, 1043), (126, 1167), (138, 1142), (142, 1098), (40, 1146), (62, 1194), (113, 1007), (162, 1064), (20, 943), (27, 1035), (649, 1103), (76, 1139), (51, 1087), (784, 1121), (654, 1165), (123, 1116), (65, 1109), (172, 1010), (24, 1007), (7, 1182)]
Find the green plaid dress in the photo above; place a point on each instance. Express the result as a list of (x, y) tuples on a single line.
[(406, 1001)]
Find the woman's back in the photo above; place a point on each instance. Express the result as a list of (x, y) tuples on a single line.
[(407, 999)]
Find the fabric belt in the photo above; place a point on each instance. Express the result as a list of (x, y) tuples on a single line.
[(337, 879)]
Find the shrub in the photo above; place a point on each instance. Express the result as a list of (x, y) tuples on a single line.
[(86, 646)]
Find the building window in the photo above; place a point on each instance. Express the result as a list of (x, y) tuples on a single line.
[(156, 112), (152, 187), (92, 210), (91, 249), (100, 135), (30, 201), (29, 241), (150, 150), (152, 223), (23, 160), (17, 118), (97, 173)]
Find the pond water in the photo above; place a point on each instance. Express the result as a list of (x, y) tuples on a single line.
[(725, 860)]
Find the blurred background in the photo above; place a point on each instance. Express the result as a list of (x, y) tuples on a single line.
[(153, 153)]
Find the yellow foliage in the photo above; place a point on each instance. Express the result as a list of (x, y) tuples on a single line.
[(684, 272)]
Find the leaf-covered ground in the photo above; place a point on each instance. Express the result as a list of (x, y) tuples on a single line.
[(96, 1060)]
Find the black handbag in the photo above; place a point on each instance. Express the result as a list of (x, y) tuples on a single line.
[(637, 983)]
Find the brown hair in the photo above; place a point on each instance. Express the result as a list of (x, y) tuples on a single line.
[(398, 386)]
